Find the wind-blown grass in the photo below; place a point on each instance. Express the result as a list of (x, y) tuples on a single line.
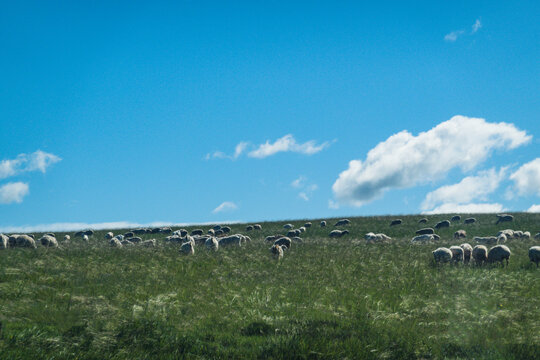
[(328, 298)]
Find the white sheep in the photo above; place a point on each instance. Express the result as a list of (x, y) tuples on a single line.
[(457, 253), (149, 243), (187, 248), (288, 226), (338, 233), (501, 238), (109, 236), (442, 254), (485, 239), (467, 252), (323, 223), (22, 241), (499, 253), (67, 237), (49, 241), (4, 241), (422, 238), (257, 227), (460, 234), (343, 222), (231, 240), (212, 244), (284, 241), (537, 236), (526, 235), (85, 237), (534, 254), (115, 242), (479, 254), (277, 251), (302, 229)]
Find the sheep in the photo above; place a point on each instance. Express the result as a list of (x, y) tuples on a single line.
[(396, 222), (201, 239), (226, 229), (485, 239), (288, 226), (479, 254), (127, 243), (323, 223), (48, 241), (442, 224), (460, 234), (422, 238), (149, 243), (501, 239), (537, 236), (155, 230), (231, 240), (211, 232), (257, 227), (174, 239), (308, 224), (212, 244), (470, 221), (165, 230), (277, 251), (216, 227), (455, 218), (436, 237), (89, 232), (109, 236), (295, 232), (526, 235), (343, 222), (297, 239), (272, 237), (197, 232), (120, 237), (534, 254), (22, 241), (302, 229), (457, 253), (187, 248), (338, 233), (246, 238), (499, 253), (422, 221), (425, 231), (442, 254), (219, 232), (504, 218), (284, 241), (509, 233), (48, 234), (4, 241), (85, 237), (371, 237), (115, 242), (135, 239), (249, 228), (181, 232), (467, 252), (138, 231), (518, 234), (129, 234)]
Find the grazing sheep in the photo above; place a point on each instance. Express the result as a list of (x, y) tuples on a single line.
[(501, 239), (302, 229), (67, 237), (135, 239), (181, 232), (119, 237), (284, 241), (338, 233), (396, 222), (526, 235), (295, 232), (277, 251), (509, 233), (109, 236), (455, 218), (89, 232), (49, 241), (231, 240), (79, 233), (127, 243), (85, 237), (442, 254), (425, 231), (442, 224), (212, 244), (307, 225), (115, 242), (504, 218), (149, 243), (422, 221), (272, 237), (249, 228), (537, 236), (470, 221), (257, 227), (288, 226), (155, 230), (485, 239), (372, 237), (187, 248), (323, 223), (129, 234), (518, 234), (479, 254), (216, 227), (22, 241), (499, 253), (297, 239), (226, 229), (436, 237), (201, 239), (165, 230), (467, 252), (4, 241), (211, 232), (457, 253), (138, 231), (247, 238), (422, 238), (343, 222), (175, 239), (534, 254), (460, 234), (219, 232), (197, 232)]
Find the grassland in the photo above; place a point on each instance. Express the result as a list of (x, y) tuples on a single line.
[(327, 299)]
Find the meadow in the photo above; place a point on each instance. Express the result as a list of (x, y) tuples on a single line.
[(327, 299)]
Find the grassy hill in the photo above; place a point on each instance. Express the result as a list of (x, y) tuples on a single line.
[(328, 298)]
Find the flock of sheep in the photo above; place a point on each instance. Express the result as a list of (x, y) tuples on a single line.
[(219, 236)]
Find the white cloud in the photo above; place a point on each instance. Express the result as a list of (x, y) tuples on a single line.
[(467, 190), (333, 204), (534, 209), (287, 144), (451, 37), (298, 183), (527, 178), (13, 192), (404, 160), (38, 160), (225, 206), (476, 26), (307, 190), (303, 196), (452, 208)]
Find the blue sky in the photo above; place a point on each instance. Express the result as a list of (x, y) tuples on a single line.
[(204, 111)]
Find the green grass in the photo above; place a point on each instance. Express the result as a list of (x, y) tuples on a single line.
[(327, 299)]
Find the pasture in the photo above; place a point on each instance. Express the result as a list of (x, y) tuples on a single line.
[(327, 299)]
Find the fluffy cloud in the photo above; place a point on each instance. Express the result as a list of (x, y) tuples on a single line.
[(476, 26), (467, 190), (404, 160), (534, 209), (527, 178), (13, 192), (298, 183), (225, 206), (453, 36), (307, 190), (38, 160), (451, 208), (285, 144)]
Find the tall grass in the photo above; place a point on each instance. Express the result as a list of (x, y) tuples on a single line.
[(328, 298)]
